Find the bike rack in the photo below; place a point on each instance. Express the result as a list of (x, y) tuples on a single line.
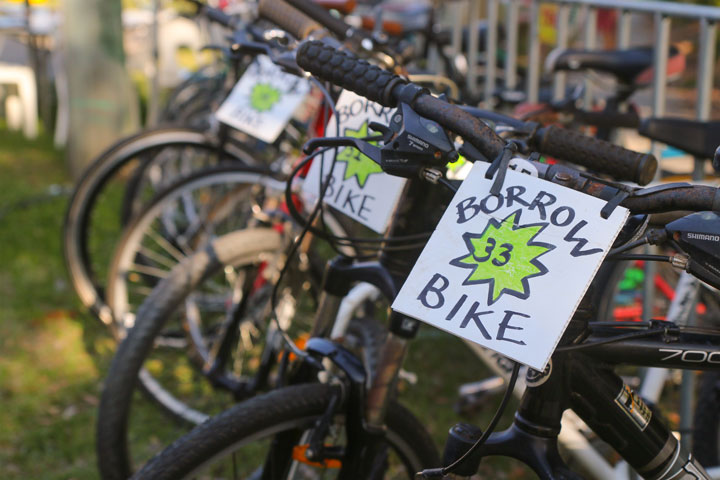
[(515, 10)]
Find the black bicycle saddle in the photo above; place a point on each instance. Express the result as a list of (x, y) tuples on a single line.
[(693, 136)]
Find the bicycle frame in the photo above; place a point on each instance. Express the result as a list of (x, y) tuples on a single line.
[(586, 383)]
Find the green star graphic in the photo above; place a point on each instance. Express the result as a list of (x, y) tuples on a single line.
[(263, 97), (504, 256), (358, 165)]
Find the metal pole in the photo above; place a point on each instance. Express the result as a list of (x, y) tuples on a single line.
[(590, 44), (473, 40), (491, 41), (662, 41), (562, 27), (706, 62), (623, 33), (457, 9), (662, 44), (511, 45), (533, 86)]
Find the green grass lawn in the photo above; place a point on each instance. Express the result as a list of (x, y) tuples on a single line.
[(53, 354)]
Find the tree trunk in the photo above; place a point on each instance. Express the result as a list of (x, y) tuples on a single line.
[(102, 103)]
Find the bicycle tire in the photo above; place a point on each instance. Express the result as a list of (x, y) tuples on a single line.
[(135, 234), (115, 406), (116, 399), (132, 244), (706, 420), (296, 406), (93, 181)]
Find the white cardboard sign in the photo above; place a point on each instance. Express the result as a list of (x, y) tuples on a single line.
[(508, 271), (358, 186), (263, 101)]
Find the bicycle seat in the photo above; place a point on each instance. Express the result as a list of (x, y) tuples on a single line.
[(628, 66), (693, 136)]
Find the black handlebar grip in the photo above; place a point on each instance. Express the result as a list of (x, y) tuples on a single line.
[(288, 18), (597, 155), (347, 71), (335, 25)]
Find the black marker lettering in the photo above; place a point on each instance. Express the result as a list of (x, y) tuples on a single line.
[(475, 317), (342, 187), (554, 218), (330, 186), (349, 200), (431, 287), (456, 307), (363, 207), (505, 325), (581, 242), (498, 198), (513, 195), (464, 206), (540, 205)]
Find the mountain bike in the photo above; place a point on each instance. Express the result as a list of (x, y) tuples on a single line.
[(581, 376)]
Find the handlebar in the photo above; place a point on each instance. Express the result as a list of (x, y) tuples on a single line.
[(595, 154), (388, 89), (381, 86), (334, 24), (289, 18)]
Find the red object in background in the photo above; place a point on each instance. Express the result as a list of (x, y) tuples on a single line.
[(606, 20)]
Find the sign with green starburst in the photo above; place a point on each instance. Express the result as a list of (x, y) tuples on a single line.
[(507, 271), (356, 186), (504, 256), (357, 164), (264, 96), (264, 100)]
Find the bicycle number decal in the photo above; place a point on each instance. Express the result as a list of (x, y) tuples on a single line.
[(508, 271), (357, 186), (263, 101)]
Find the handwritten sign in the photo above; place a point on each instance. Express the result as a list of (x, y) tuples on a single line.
[(358, 187), (508, 271), (263, 101)]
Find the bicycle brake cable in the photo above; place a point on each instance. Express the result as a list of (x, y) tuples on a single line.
[(441, 472)]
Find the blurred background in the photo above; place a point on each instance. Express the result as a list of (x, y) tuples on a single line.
[(77, 75)]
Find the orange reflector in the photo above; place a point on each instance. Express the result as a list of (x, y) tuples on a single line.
[(300, 342), (298, 454)]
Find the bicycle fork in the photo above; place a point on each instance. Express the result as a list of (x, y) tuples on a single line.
[(605, 403)]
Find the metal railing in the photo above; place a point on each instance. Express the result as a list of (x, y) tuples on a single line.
[(662, 13)]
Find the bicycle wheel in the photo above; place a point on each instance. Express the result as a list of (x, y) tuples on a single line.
[(242, 249), (233, 444), (178, 222), (96, 196), (214, 282)]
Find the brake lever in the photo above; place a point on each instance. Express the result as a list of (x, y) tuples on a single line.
[(365, 148)]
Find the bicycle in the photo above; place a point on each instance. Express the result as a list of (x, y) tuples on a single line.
[(533, 436)]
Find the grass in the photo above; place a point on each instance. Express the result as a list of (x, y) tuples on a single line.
[(51, 353)]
